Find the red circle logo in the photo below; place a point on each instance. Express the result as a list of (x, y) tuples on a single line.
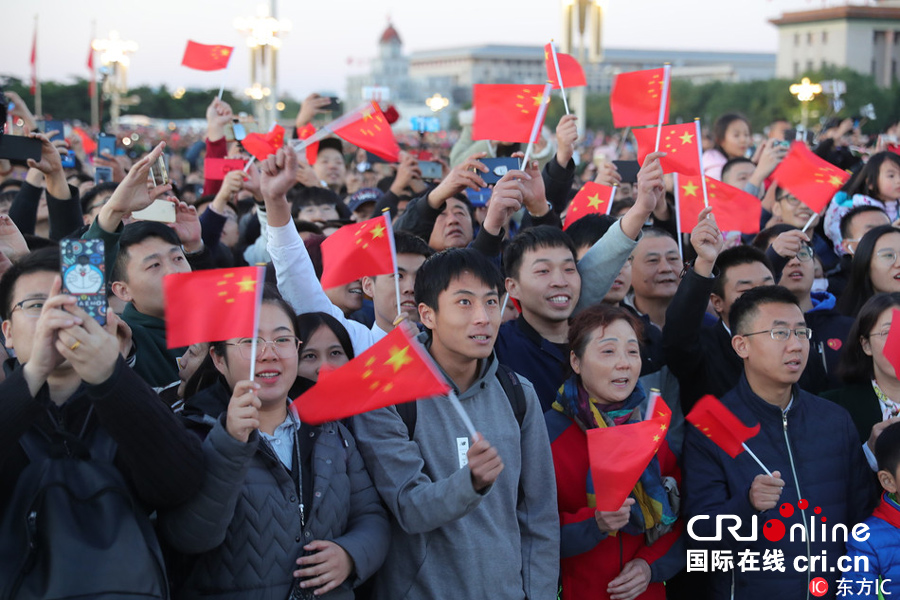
[(773, 530), (818, 587)]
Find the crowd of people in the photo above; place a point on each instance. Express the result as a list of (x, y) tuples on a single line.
[(132, 469)]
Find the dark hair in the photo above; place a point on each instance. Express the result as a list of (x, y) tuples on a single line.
[(16, 183), (866, 181), (733, 257), (737, 160), (207, 374), (133, 234), (407, 243), (587, 230), (764, 238), (656, 232), (533, 238), (37, 261), (309, 323), (300, 196), (599, 315), (847, 219), (89, 196), (887, 449), (721, 126), (747, 306), (440, 269), (859, 285), (856, 365)]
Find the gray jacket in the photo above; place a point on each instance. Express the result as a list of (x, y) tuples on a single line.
[(245, 522), (447, 540)]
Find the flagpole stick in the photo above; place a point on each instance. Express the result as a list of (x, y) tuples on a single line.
[(503, 306), (462, 413), (624, 140), (538, 119), (664, 100), (700, 158), (249, 162), (559, 80), (808, 223), (612, 198), (390, 232), (759, 462), (678, 216), (224, 77), (328, 128), (260, 277)]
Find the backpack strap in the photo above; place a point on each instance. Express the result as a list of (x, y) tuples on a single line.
[(408, 413)]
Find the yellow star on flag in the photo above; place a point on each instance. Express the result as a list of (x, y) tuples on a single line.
[(690, 189), (398, 358), (655, 438), (594, 201), (377, 231), (687, 138)]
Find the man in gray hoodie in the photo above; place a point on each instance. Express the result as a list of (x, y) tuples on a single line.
[(471, 518)]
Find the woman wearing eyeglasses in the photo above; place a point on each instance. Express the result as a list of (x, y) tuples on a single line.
[(875, 268), (286, 508), (872, 393)]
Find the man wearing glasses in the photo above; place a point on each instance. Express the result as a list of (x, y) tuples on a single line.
[(812, 450)]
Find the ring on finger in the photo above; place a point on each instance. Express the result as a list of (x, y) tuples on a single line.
[(75, 346)]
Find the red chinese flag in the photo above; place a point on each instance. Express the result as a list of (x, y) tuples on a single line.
[(505, 112), (810, 179), (591, 199), (217, 168), (569, 70), (87, 142), (206, 58), (735, 210), (92, 88), (679, 142), (635, 98), (720, 425), (312, 151), (892, 343), (262, 145), (395, 370), (33, 62), (371, 132), (356, 250), (618, 455), (211, 305)]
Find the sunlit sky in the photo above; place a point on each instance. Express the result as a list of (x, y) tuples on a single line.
[(325, 34)]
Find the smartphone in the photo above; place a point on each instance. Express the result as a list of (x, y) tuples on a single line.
[(431, 169), (334, 105), (102, 175), (235, 131), (782, 144), (628, 170), (497, 168), (106, 146), (159, 174), (57, 126), (83, 275), (161, 211), (479, 198), (18, 148)]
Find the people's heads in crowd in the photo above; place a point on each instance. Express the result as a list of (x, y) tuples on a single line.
[(24, 289), (741, 269), (315, 204), (362, 203), (655, 266), (347, 297), (454, 226), (878, 179), (800, 271), (8, 191), (586, 231), (330, 166), (857, 221), (94, 199), (769, 333), (230, 232), (790, 209), (731, 135), (412, 251), (323, 341), (778, 129), (458, 292), (887, 455), (541, 274), (737, 171), (148, 251), (863, 356), (875, 268), (605, 353)]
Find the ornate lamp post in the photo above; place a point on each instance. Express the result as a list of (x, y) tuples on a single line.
[(805, 92), (262, 33), (114, 56)]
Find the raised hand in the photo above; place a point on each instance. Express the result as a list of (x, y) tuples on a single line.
[(485, 463), (243, 411), (462, 176), (707, 241), (133, 193)]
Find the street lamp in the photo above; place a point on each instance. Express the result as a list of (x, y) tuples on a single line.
[(582, 37), (437, 103), (262, 33), (114, 56), (805, 92)]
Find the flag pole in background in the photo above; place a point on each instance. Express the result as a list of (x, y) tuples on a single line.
[(678, 215), (538, 120), (562, 87), (35, 82), (390, 233), (700, 158), (663, 102)]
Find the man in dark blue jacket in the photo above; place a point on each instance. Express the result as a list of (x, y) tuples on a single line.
[(817, 467)]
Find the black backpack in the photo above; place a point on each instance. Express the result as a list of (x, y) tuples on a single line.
[(73, 529)]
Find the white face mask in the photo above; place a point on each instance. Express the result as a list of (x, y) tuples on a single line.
[(820, 284)]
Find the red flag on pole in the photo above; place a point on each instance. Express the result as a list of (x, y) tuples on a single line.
[(618, 455), (356, 250), (506, 112), (230, 300), (892, 342), (205, 57), (262, 145), (33, 61), (92, 88), (636, 98), (591, 199), (680, 144), (570, 71), (396, 369), (720, 425), (371, 132), (312, 151), (735, 210), (812, 180)]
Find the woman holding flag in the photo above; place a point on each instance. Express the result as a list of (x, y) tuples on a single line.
[(286, 508), (616, 554)]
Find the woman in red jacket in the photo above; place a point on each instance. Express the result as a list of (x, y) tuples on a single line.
[(618, 554)]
